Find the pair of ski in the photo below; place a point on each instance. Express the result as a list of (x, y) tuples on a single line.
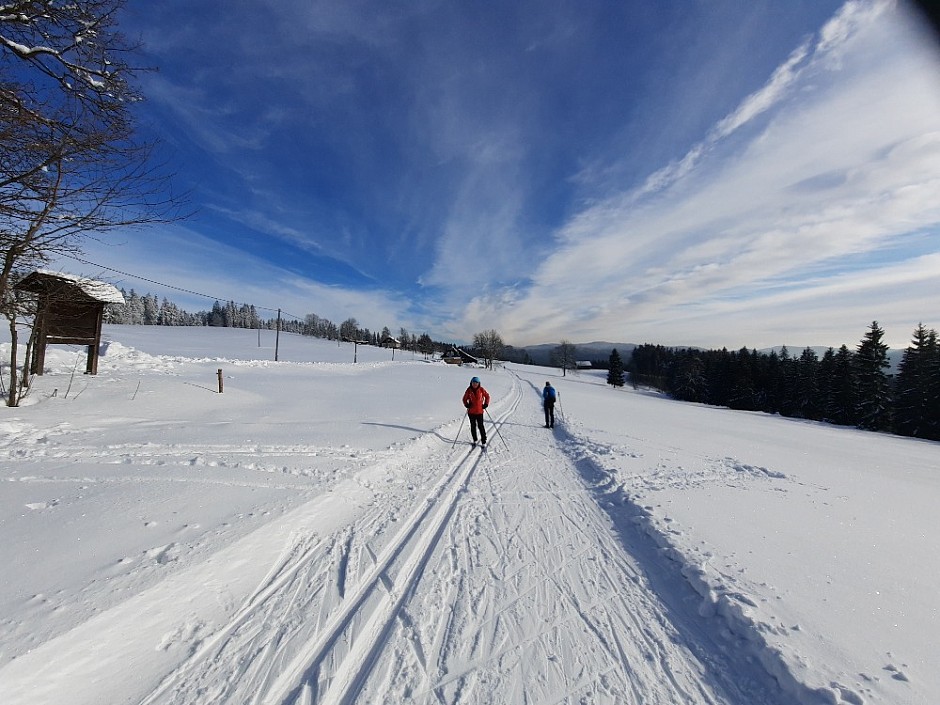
[(483, 446)]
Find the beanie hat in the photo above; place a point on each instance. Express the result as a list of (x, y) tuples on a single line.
[(475, 379)]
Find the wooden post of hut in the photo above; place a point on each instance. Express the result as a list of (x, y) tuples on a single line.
[(70, 311)]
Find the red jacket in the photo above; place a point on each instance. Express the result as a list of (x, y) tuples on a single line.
[(476, 399)]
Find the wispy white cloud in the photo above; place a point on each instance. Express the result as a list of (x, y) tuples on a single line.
[(853, 16), (844, 160), (753, 106), (418, 147)]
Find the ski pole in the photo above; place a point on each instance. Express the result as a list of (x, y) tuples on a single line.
[(497, 429), (458, 434)]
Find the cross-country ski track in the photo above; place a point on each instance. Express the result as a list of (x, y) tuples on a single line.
[(504, 575)]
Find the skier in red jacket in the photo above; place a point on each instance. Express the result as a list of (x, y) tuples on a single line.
[(476, 399)]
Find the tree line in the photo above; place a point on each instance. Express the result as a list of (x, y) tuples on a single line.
[(149, 310), (845, 387)]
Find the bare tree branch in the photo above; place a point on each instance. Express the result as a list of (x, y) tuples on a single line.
[(71, 161)]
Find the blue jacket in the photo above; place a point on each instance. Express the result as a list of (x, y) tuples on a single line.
[(548, 394)]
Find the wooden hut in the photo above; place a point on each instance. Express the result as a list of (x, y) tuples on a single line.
[(70, 311), (456, 356)]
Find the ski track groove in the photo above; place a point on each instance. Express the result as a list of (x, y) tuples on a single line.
[(331, 623), (353, 670), (521, 566)]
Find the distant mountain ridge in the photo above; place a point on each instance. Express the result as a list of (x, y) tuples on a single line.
[(894, 354), (597, 350)]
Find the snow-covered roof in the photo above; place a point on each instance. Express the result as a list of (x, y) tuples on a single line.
[(97, 290), (458, 352)]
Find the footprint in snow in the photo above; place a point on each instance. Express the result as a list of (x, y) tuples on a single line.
[(42, 505), (896, 673), (164, 554)]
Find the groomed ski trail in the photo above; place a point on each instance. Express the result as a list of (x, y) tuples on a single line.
[(530, 597), (322, 611), (470, 576)]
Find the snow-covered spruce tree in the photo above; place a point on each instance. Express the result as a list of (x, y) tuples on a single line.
[(873, 391), (615, 369), (134, 309)]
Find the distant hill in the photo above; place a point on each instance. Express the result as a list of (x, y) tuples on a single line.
[(894, 354), (597, 350)]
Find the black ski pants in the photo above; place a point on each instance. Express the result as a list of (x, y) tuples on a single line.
[(476, 421), (549, 414)]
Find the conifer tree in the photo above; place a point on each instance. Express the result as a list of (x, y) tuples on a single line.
[(872, 384), (689, 382), (918, 387), (771, 383), (134, 312), (615, 369), (932, 429), (216, 317), (841, 407), (151, 309), (825, 381), (742, 394), (806, 385), (721, 378)]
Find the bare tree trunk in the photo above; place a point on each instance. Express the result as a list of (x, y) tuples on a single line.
[(28, 361), (12, 398)]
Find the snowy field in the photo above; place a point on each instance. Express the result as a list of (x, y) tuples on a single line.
[(313, 535)]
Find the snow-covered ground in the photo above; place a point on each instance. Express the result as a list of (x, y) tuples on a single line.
[(314, 535)]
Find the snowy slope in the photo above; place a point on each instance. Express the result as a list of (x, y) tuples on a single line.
[(314, 534)]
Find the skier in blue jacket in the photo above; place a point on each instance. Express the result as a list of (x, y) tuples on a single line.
[(549, 395)]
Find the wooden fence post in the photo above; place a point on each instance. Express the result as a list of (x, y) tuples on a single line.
[(220, 380)]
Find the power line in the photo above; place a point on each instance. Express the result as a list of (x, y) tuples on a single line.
[(175, 288)]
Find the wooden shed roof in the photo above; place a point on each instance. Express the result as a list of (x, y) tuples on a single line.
[(46, 282), (455, 352)]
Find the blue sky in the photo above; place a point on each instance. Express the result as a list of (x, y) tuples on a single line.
[(718, 173)]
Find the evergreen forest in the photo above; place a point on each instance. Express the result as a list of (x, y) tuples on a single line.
[(148, 310), (845, 387)]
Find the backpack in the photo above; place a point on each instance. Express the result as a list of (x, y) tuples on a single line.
[(550, 394)]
